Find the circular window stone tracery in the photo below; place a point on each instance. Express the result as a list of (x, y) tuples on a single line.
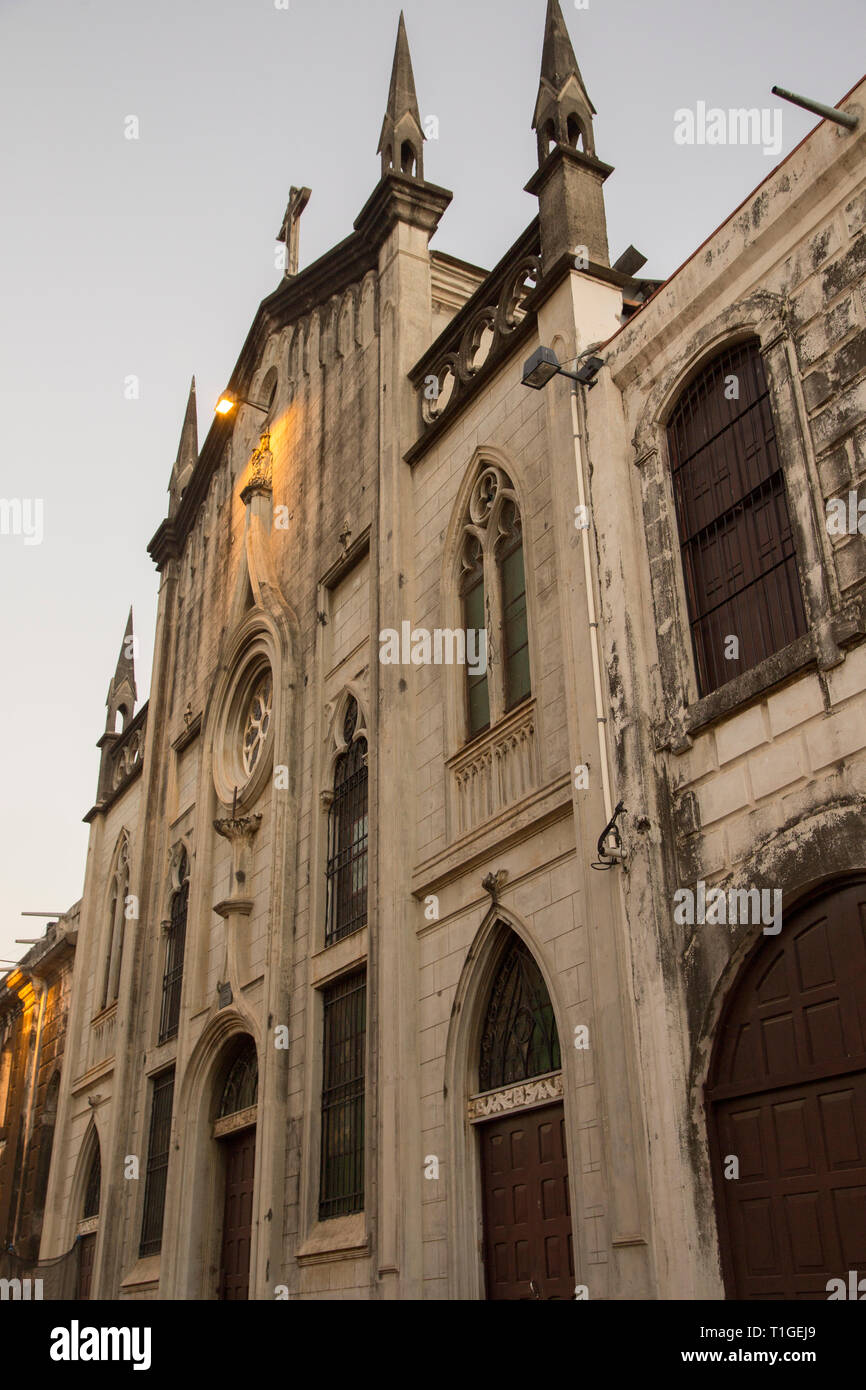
[(244, 734), (258, 722)]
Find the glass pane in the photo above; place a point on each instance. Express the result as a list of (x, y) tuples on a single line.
[(477, 687), (517, 675)]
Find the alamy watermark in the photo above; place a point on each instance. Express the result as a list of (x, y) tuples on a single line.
[(846, 518), (22, 516), (736, 907), (738, 126), (442, 647)]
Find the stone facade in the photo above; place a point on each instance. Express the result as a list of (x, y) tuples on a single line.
[(34, 1006), (379, 412)]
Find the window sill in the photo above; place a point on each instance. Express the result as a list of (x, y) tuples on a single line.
[(334, 960), (749, 686), (343, 1238)]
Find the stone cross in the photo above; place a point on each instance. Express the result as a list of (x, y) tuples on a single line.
[(290, 231)]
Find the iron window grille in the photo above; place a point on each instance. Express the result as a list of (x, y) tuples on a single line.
[(341, 1190), (347, 838), (162, 1098), (519, 1039), (172, 980), (739, 560)]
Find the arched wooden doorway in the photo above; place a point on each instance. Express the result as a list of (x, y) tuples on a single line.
[(235, 1130), (787, 1099), (520, 1119)]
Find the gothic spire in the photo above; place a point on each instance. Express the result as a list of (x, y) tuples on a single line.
[(401, 143), (187, 452), (563, 111), (122, 691)]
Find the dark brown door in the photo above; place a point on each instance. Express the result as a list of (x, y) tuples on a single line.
[(86, 1256), (240, 1159), (788, 1101), (527, 1223)]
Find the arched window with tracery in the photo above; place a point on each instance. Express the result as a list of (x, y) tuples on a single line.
[(736, 541), (493, 593), (118, 894), (241, 1087), (519, 1038), (175, 930), (93, 1190), (347, 835)]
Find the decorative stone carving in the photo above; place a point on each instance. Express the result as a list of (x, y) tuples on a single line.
[(523, 1096), (261, 469), (477, 338), (495, 771)]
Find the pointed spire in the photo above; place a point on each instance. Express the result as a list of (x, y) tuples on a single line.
[(122, 691), (402, 96), (558, 62), (563, 110), (402, 138), (187, 452)]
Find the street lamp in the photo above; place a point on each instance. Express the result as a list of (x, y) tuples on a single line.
[(544, 365)]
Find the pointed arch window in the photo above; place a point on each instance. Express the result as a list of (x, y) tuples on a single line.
[(347, 835), (172, 980), (119, 892), (519, 1039), (93, 1190), (493, 593), (736, 541), (241, 1088)]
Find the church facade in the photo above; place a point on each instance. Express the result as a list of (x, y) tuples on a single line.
[(476, 908)]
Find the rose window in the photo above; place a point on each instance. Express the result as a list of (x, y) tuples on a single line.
[(257, 722)]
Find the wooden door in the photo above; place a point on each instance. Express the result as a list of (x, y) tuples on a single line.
[(86, 1256), (788, 1101), (527, 1222), (239, 1153)]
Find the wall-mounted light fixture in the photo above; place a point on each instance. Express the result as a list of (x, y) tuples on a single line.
[(229, 401), (544, 365)]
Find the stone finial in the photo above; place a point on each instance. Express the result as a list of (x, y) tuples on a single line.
[(187, 453), (122, 691), (563, 110), (401, 143)]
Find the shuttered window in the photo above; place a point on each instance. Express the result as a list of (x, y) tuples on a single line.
[(739, 561)]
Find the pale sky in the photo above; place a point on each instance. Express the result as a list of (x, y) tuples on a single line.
[(148, 258)]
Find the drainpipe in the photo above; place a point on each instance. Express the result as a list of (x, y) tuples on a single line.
[(578, 424)]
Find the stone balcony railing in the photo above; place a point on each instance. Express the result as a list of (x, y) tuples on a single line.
[(102, 1037), (496, 771)]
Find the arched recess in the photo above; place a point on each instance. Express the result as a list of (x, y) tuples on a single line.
[(540, 1103), (452, 598), (83, 1213), (786, 1101), (195, 1206), (114, 919)]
